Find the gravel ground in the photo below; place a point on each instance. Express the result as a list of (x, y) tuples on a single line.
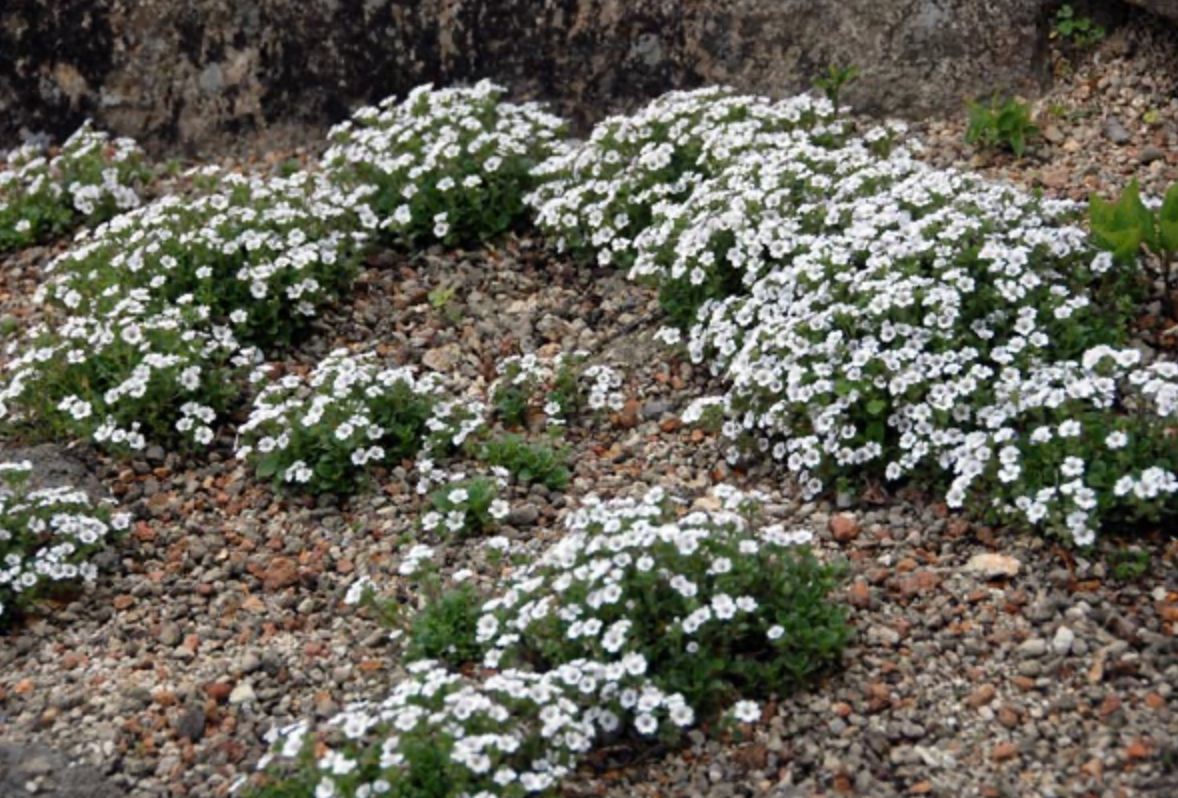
[(985, 663)]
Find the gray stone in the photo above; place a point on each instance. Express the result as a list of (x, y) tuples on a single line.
[(191, 724), (523, 515), (1035, 647), (37, 770), (242, 693), (1061, 644), (1114, 129)]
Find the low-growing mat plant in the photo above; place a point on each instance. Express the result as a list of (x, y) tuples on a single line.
[(714, 608), (48, 537), (45, 193), (264, 255), (464, 508), (445, 165), (124, 379), (599, 195), (326, 432)]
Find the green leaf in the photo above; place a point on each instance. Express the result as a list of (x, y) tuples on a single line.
[(269, 465), (876, 406)]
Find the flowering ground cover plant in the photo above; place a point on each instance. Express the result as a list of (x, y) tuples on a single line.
[(325, 432), (906, 329), (596, 197), (708, 606), (441, 735), (47, 538), (91, 179), (263, 254), (124, 378), (448, 165)]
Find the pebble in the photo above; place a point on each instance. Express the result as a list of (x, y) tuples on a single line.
[(1114, 129), (242, 693), (1061, 644), (993, 566), (1035, 647)]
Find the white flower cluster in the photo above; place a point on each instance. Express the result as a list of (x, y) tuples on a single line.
[(599, 195), (870, 312), (46, 538), (324, 430), (513, 733), (593, 605), (125, 376), (264, 254), (93, 177), (633, 585), (446, 164)]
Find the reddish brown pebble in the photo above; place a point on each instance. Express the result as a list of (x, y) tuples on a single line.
[(282, 573), (1004, 751), (982, 696), (1155, 701), (844, 528), (219, 691), (123, 602), (859, 595)]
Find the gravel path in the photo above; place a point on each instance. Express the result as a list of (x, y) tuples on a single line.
[(986, 663)]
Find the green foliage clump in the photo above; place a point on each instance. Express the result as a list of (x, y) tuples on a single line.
[(90, 180), (1127, 229), (835, 80), (445, 165), (529, 462), (465, 507), (1001, 125), (1077, 30)]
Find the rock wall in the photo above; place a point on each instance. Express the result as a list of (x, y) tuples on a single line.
[(1163, 8), (194, 74)]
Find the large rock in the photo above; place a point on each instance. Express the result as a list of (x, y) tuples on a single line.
[(199, 72), (1163, 8)]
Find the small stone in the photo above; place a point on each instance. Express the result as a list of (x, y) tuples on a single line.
[(982, 696), (1003, 752), (242, 693), (630, 415), (184, 653), (1052, 133), (993, 566), (1114, 130), (859, 595), (254, 604), (1033, 648), (191, 724), (170, 635), (282, 573), (1149, 154), (523, 515), (219, 691), (443, 358), (883, 635), (1061, 644), (844, 527)]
